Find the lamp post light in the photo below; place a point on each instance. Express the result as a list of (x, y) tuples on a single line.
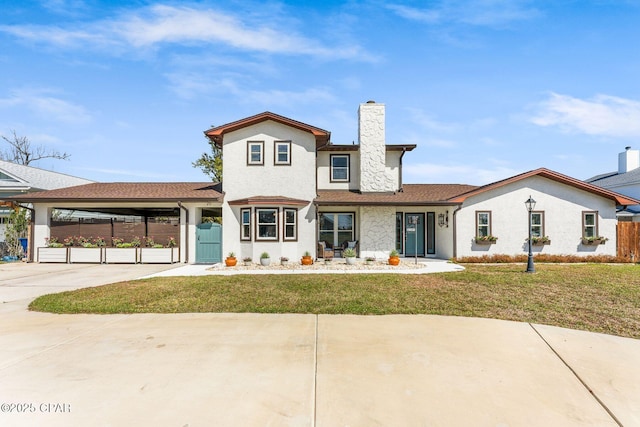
[(530, 204)]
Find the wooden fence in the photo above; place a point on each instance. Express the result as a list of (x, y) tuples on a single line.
[(629, 240), (161, 229)]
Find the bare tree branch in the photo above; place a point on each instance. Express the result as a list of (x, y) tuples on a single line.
[(21, 152)]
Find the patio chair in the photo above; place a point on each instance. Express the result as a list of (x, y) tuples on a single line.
[(324, 251)]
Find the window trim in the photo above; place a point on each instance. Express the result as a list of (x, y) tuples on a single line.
[(331, 168), (257, 224), (251, 144), (595, 223), (489, 223), (541, 213), (242, 224), (286, 238), (276, 144)]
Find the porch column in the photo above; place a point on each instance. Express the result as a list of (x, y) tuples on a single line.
[(41, 228)]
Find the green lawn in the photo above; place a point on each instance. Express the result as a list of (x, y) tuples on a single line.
[(594, 297)]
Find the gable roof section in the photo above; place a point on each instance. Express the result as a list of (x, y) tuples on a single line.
[(217, 133), (30, 178), (411, 195), (128, 192), (555, 176)]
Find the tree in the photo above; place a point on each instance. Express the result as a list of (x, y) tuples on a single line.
[(211, 163), (16, 229), (23, 153)]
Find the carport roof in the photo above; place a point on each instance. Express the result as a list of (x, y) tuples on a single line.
[(128, 192)]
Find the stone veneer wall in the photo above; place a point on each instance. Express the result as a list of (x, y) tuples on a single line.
[(377, 231), (371, 131)]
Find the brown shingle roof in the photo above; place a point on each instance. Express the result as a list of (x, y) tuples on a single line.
[(620, 199), (217, 133), (128, 191), (269, 200), (412, 194)]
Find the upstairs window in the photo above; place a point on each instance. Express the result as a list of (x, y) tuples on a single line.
[(339, 168), (483, 223), (255, 153), (282, 153), (590, 224)]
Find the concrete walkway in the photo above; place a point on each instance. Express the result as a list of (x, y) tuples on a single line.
[(298, 370), (425, 266)]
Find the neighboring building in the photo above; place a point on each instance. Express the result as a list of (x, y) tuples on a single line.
[(626, 180), (16, 179), (287, 187)]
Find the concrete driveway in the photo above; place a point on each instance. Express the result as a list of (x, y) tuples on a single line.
[(297, 370)]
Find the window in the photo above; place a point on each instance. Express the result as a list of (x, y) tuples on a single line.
[(537, 224), (282, 153), (399, 231), (339, 167), (255, 153), (290, 224), (245, 219), (483, 224), (336, 228), (267, 224), (589, 224)]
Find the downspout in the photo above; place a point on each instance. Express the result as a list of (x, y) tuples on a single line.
[(186, 233), (31, 229), (455, 232), (404, 150)]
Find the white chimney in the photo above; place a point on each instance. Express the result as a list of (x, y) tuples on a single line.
[(371, 136), (628, 160)]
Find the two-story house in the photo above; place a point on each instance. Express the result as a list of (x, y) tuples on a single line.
[(286, 187)]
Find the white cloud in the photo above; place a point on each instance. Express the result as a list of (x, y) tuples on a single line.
[(428, 123), (161, 24), (43, 104), (602, 115), (455, 174), (487, 13)]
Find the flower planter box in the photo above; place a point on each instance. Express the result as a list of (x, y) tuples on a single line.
[(593, 242), (121, 255), (485, 242), (86, 255), (548, 242), (53, 255), (159, 255)]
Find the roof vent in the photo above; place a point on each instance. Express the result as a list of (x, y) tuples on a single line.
[(371, 102)]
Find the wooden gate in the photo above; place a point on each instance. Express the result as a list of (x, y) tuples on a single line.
[(209, 243), (629, 240)]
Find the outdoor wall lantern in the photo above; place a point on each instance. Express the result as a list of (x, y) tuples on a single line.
[(443, 220), (530, 204)]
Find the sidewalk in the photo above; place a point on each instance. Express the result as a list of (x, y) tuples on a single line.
[(424, 266)]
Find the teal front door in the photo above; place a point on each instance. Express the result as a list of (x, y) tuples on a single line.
[(208, 243), (414, 234)]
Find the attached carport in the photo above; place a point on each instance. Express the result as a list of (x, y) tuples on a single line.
[(191, 201)]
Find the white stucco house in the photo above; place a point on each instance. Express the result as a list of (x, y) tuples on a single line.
[(287, 187)]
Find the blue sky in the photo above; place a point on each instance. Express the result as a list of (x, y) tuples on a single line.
[(486, 89)]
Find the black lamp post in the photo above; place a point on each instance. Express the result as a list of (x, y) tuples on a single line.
[(530, 204)]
